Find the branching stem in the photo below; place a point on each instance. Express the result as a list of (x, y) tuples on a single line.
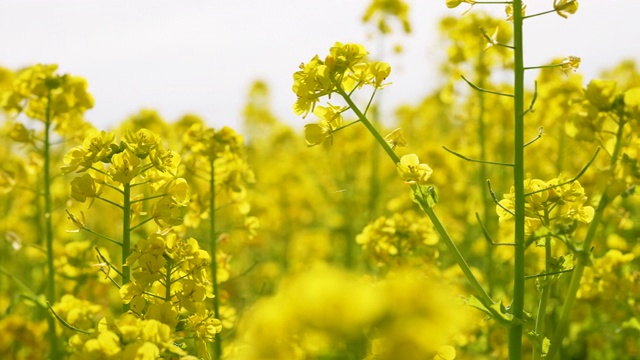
[(479, 291)]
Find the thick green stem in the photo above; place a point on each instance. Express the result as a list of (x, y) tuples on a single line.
[(126, 237), (48, 230), (479, 291), (517, 306), (217, 346)]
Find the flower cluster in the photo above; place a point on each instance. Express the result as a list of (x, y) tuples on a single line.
[(557, 205), (40, 93), (399, 238), (171, 285), (22, 338), (127, 337), (343, 70), (610, 278), (139, 158), (38, 88), (381, 9), (219, 157)]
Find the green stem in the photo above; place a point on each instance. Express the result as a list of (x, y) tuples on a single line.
[(102, 236), (517, 306), (543, 66), (167, 281), (126, 238), (576, 277), (459, 259), (217, 354), (544, 298), (583, 257), (148, 198), (110, 202), (539, 14), (141, 223), (48, 229), (487, 208)]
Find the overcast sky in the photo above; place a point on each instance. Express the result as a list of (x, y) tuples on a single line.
[(201, 56)]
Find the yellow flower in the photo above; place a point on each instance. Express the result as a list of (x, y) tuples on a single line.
[(455, 3), (165, 159), (107, 343), (412, 171), (141, 351), (344, 56), (95, 147), (163, 312), (156, 332), (395, 139), (316, 134), (310, 83), (129, 291), (632, 101), (570, 63), (379, 71), (565, 8), (141, 143), (84, 187), (331, 115), (124, 167), (166, 212)]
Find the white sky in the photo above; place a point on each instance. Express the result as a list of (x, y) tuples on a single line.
[(201, 56)]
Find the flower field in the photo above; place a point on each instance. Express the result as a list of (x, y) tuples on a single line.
[(495, 219)]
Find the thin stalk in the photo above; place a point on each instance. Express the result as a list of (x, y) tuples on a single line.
[(374, 185), (479, 291), (576, 277), (517, 306), (583, 258), (167, 280), (141, 223), (487, 208), (217, 346), (110, 202), (48, 229), (544, 298), (126, 238)]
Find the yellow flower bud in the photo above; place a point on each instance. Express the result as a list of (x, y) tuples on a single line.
[(565, 8)]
